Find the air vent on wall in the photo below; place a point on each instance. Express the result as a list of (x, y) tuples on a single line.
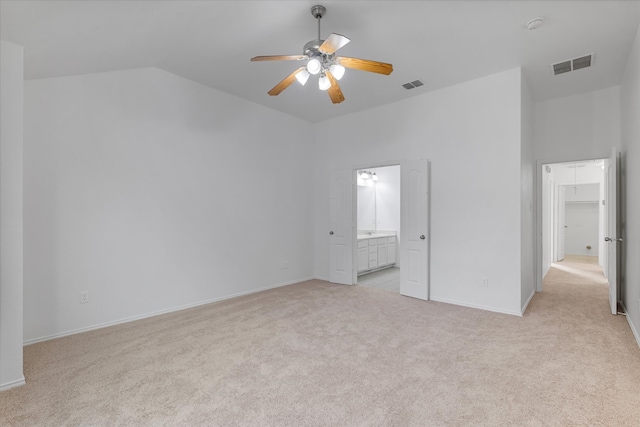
[(412, 85), (573, 64)]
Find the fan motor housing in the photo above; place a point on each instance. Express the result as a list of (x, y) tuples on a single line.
[(312, 47)]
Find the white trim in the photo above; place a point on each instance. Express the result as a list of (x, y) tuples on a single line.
[(12, 384), (631, 325), (159, 312), (323, 278), (481, 307), (526, 304)]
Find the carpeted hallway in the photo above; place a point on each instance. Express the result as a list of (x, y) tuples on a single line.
[(314, 353)]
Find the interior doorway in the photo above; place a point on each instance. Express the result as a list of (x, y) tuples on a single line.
[(378, 219), (574, 213), (412, 245)]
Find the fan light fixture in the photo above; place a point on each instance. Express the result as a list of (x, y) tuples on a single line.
[(302, 77), (323, 82), (323, 62), (337, 70), (314, 66)]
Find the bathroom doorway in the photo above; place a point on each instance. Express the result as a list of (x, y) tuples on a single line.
[(378, 234)]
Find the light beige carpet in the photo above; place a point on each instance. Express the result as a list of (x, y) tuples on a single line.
[(320, 354)]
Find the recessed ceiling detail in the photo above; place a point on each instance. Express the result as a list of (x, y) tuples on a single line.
[(573, 64), (412, 85)]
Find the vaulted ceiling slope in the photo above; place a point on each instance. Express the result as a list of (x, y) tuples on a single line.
[(440, 43)]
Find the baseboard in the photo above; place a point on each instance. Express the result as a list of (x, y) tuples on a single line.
[(632, 326), (12, 384), (326, 279), (160, 312), (481, 307), (526, 304)]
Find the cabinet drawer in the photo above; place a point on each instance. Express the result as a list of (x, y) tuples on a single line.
[(373, 256), (373, 264), (373, 242), (373, 249), (363, 243), (391, 239), (382, 241)]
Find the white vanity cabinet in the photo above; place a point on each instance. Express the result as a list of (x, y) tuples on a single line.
[(363, 255), (376, 252)]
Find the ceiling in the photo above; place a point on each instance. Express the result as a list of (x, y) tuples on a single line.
[(441, 43)]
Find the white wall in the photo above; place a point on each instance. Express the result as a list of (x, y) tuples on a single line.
[(471, 135), (527, 249), (152, 192), (578, 127), (630, 107), (11, 222)]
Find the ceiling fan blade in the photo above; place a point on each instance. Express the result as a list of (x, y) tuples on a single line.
[(279, 58), (333, 43), (365, 65), (285, 83), (335, 93)]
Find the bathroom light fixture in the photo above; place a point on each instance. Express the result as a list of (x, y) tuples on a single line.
[(374, 176), (364, 175)]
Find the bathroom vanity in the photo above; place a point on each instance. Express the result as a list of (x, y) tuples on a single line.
[(376, 250)]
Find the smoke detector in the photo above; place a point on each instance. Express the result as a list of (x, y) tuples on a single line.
[(535, 23)]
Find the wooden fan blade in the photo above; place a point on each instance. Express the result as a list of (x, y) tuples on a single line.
[(333, 43), (365, 65), (335, 93), (279, 58), (285, 83)]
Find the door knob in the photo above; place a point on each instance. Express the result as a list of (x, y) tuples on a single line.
[(422, 237), (331, 233), (613, 239)]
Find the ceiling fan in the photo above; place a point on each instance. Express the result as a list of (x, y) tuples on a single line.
[(322, 61)]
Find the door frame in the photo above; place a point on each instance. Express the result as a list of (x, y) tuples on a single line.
[(354, 213), (538, 206)]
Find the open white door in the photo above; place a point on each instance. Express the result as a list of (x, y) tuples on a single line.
[(414, 242), (561, 223), (340, 229), (613, 238)]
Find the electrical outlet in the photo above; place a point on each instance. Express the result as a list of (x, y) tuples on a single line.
[(485, 282), (84, 297), (284, 264)]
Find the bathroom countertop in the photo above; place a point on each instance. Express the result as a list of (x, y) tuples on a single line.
[(376, 234)]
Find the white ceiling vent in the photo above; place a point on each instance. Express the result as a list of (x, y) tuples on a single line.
[(412, 85), (573, 64)]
